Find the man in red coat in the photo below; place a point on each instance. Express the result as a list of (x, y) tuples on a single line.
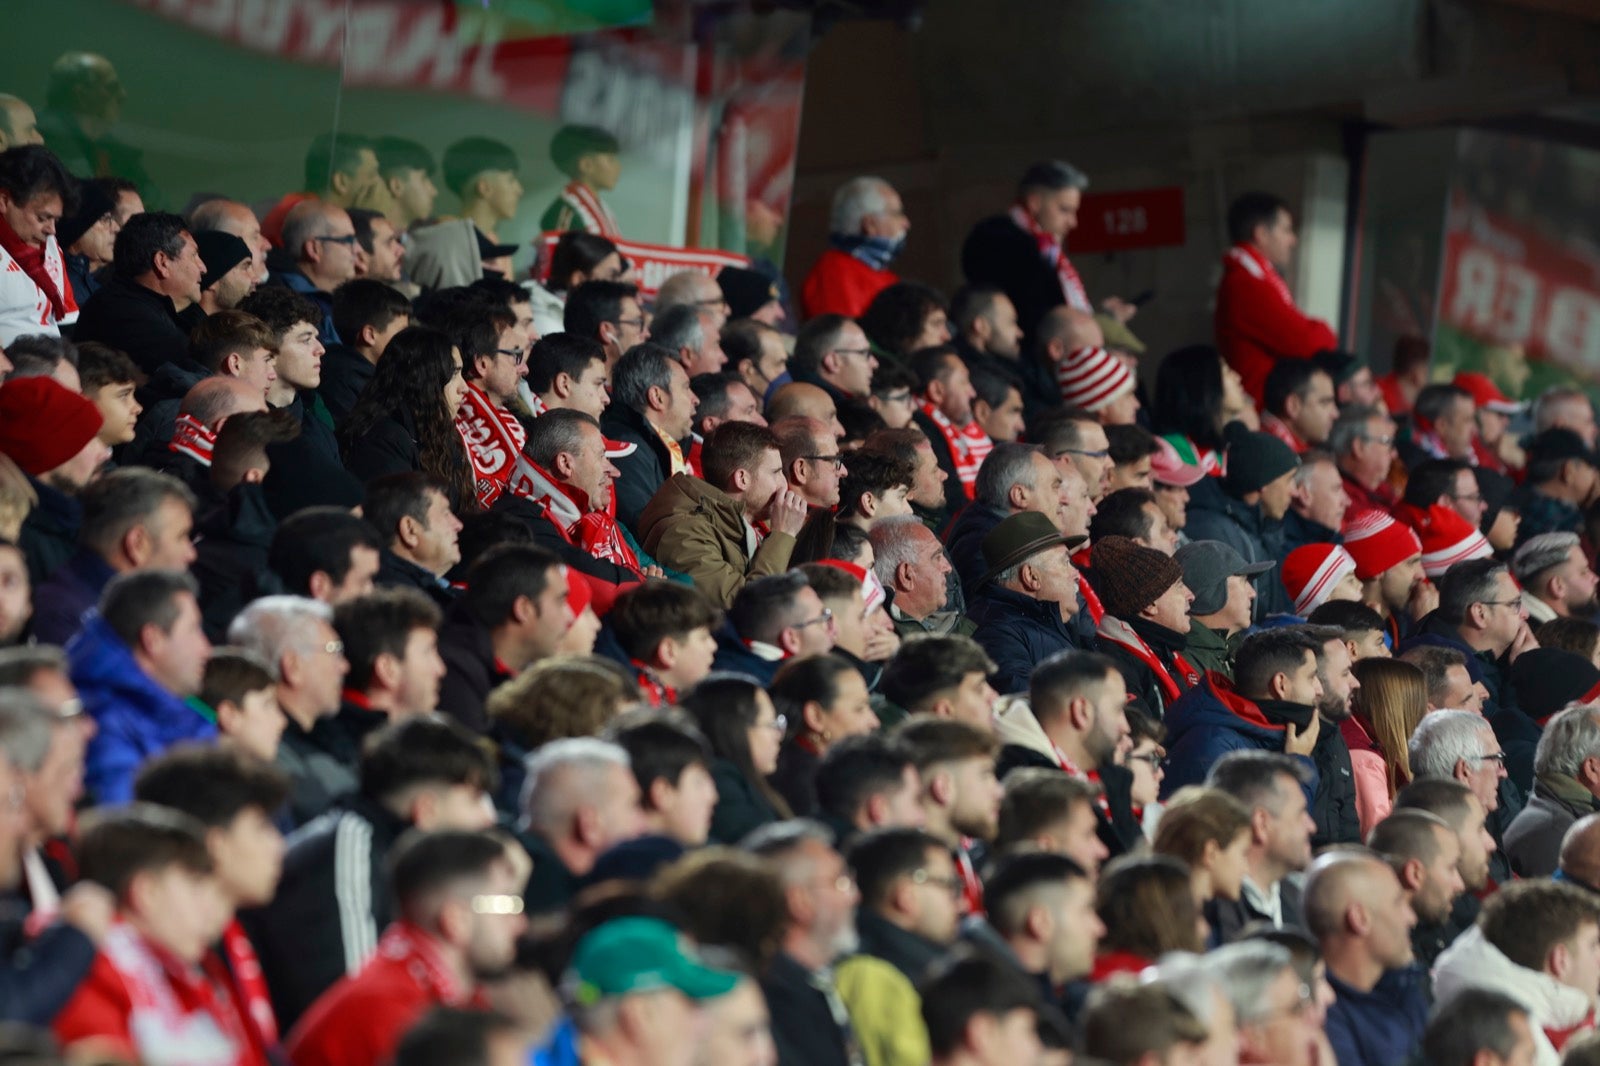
[(866, 230), (460, 916), (1257, 322)]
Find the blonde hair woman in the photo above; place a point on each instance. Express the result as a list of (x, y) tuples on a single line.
[(1386, 709), (1210, 831)]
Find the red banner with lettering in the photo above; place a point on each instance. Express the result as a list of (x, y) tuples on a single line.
[(1508, 284)]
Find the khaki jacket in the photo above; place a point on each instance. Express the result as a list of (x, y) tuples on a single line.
[(690, 526)]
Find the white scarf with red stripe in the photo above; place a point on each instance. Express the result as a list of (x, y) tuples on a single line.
[(968, 445), (1121, 633), (193, 438), (1051, 252), (589, 209), (567, 507), (494, 439), (177, 1016), (1255, 264)]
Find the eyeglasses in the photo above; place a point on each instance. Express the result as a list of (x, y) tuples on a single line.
[(951, 884), (635, 322), (824, 618), (334, 647), (347, 240), (779, 724), (1387, 442), (901, 396), (1516, 600), (836, 459), (1498, 756), (844, 884), (719, 301), (517, 354), (1154, 758), (1099, 453), (497, 904), (1472, 498), (853, 351)]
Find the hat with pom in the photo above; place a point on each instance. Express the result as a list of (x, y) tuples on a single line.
[(1312, 571), (1378, 543), (1448, 539)]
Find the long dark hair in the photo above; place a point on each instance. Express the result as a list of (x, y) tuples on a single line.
[(724, 706), (576, 251), (408, 386), (1189, 395)]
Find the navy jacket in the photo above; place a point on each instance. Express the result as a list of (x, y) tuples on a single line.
[(39, 974), (1211, 720), (964, 545), (1018, 632), (137, 717), (61, 602), (732, 655), (1380, 1027), (645, 470), (1214, 515), (49, 534)]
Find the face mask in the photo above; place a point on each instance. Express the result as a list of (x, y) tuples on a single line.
[(876, 252)]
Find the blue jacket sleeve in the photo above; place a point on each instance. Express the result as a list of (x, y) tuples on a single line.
[(109, 766), (1188, 764), (57, 962)]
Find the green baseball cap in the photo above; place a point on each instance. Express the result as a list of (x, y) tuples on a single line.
[(632, 955)]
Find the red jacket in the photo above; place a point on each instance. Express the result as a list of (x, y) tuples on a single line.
[(360, 1020), (841, 284), (1257, 322)]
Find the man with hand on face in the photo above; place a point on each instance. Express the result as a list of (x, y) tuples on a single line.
[(736, 523), (1481, 613), (1333, 807), (1388, 559), (1270, 706)]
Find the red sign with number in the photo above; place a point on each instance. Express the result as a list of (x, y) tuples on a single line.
[(1131, 218)]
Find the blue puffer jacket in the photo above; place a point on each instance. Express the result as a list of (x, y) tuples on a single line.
[(1211, 720), (137, 717), (1018, 632)]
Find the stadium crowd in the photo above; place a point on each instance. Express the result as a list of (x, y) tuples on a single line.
[(402, 662)]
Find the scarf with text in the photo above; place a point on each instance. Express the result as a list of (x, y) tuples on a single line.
[(967, 445), (43, 265), (494, 440), (243, 972), (1121, 634), (1053, 254), (177, 1016), (586, 211), (193, 438), (1255, 264), (569, 509)]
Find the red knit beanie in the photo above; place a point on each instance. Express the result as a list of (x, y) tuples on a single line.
[(1312, 571), (44, 423), (1448, 539), (1378, 543)]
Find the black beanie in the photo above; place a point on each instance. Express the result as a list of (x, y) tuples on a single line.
[(1547, 679), (1254, 460), (93, 205)]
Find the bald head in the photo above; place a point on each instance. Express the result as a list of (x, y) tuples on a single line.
[(798, 399), (1580, 851), (212, 400), (1064, 330), (321, 238), (18, 125), (1340, 885)]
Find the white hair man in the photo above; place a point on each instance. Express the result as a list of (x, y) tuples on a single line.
[(1556, 578), (1566, 787), (579, 799), (867, 227)]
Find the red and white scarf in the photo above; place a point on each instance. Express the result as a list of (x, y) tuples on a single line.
[(409, 946), (47, 269), (589, 210), (656, 692), (1121, 634), (1051, 252), (971, 884), (243, 972), (569, 509), (494, 439), (193, 438), (1271, 423), (177, 1016), (1071, 769), (967, 445), (1255, 264)]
